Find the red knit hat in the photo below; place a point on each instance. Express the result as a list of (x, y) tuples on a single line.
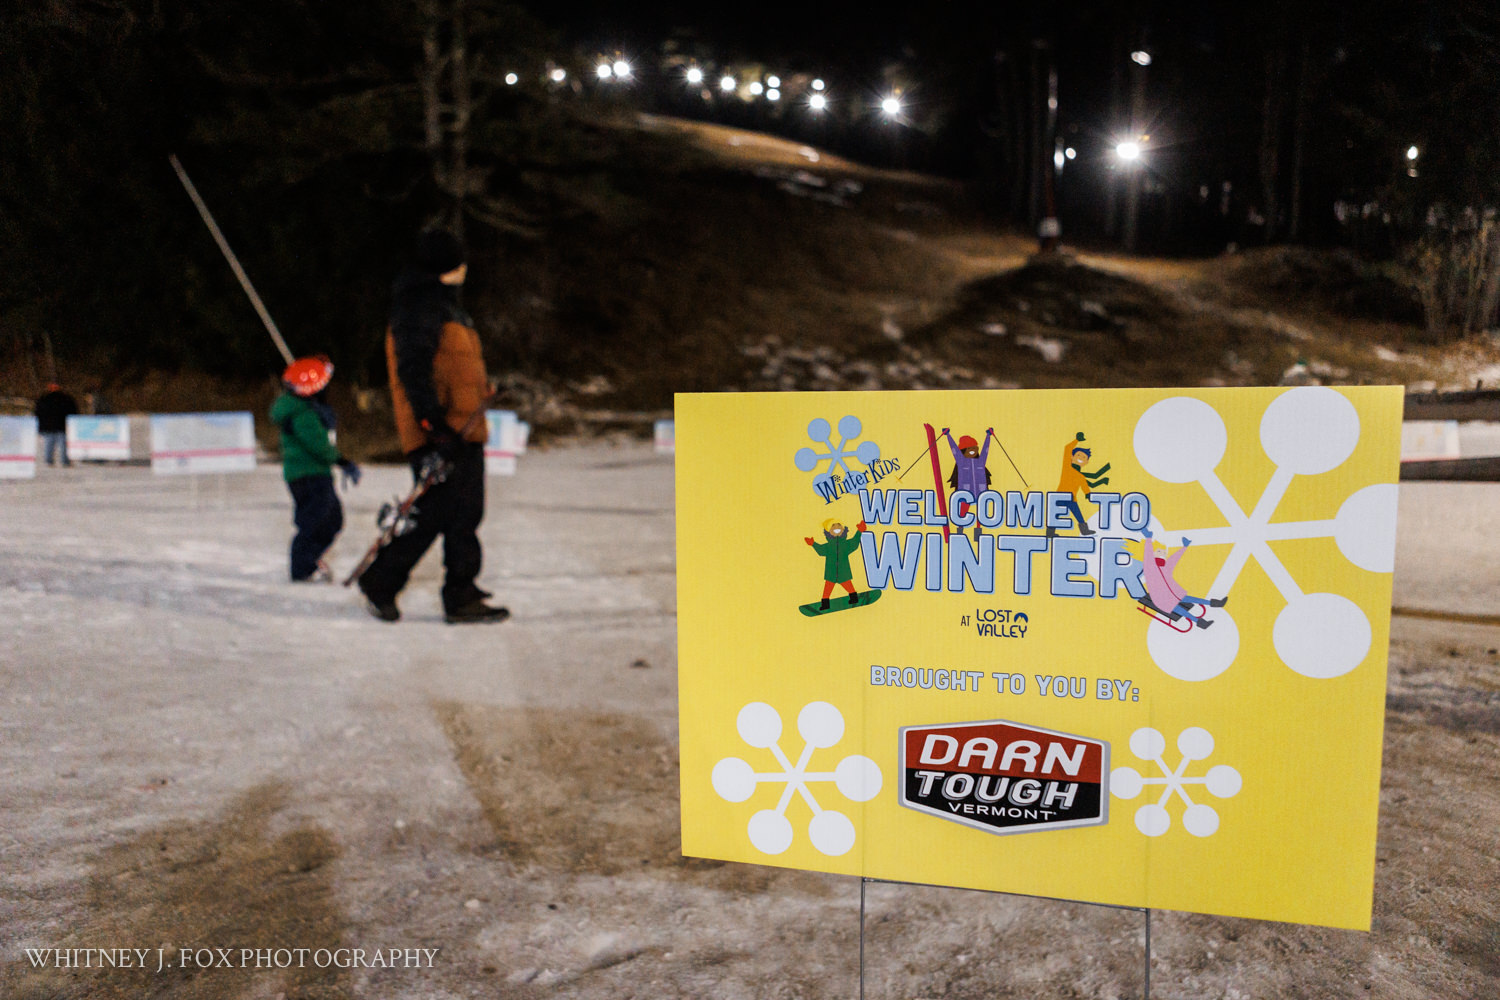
[(966, 442)]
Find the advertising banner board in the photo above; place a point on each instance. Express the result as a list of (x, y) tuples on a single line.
[(99, 438), (18, 437), (665, 434), (202, 442), (506, 442), (1425, 440), (1121, 646)]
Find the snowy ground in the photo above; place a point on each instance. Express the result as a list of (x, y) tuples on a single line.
[(198, 754)]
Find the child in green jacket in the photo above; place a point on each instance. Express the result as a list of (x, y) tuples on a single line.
[(308, 456)]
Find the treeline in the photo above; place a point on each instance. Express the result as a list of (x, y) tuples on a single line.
[(322, 136)]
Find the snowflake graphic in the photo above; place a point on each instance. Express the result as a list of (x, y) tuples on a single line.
[(821, 726), (1305, 431), (837, 455), (1153, 819)]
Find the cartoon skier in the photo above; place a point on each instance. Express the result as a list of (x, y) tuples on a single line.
[(836, 548), (970, 472), (1076, 482), (1164, 594)]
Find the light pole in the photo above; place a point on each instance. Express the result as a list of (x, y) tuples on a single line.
[(1139, 59)]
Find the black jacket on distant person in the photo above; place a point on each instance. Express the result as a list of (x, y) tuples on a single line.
[(53, 410)]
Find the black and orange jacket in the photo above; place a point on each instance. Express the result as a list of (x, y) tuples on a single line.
[(434, 360)]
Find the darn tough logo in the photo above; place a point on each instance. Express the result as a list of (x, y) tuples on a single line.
[(1005, 777)]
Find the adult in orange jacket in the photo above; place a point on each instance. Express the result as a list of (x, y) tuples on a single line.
[(438, 381)]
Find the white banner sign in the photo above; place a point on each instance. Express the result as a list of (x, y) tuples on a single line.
[(666, 437), (507, 441), (202, 442), (105, 439), (1425, 440), (17, 447)]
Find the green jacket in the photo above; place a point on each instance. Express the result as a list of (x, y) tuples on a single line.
[(835, 553), (305, 448)]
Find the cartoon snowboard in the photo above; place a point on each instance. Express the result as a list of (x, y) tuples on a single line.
[(816, 608)]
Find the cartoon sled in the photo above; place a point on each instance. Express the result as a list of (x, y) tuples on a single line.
[(1183, 624)]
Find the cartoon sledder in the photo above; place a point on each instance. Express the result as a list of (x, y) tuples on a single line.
[(1165, 599), (1077, 482), (836, 548)]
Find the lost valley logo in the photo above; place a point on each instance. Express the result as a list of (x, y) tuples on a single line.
[(1005, 777)]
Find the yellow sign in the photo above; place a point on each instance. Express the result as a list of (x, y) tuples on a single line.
[(1123, 646)]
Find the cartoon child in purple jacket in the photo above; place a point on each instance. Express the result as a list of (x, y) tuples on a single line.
[(969, 471)]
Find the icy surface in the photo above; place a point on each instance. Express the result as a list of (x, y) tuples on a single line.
[(197, 752)]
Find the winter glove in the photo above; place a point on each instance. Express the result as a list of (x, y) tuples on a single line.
[(350, 472), (442, 439)]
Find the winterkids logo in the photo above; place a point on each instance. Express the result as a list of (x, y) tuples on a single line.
[(1005, 777), (830, 488)]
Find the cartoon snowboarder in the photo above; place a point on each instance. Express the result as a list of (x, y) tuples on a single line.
[(1076, 482), (836, 548), (1164, 594)]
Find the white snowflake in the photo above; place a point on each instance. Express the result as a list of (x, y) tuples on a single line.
[(1153, 819), (1305, 431), (837, 455), (821, 725)]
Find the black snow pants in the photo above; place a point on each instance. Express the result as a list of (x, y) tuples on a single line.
[(318, 516), (452, 509)]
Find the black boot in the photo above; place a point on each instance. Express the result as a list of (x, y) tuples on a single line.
[(1219, 602), (474, 612), (823, 606), (853, 599), (379, 605)]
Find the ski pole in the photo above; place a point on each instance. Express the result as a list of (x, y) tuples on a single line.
[(234, 263), (915, 464), (1008, 458)]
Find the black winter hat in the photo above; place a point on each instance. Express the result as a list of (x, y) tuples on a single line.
[(439, 251)]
